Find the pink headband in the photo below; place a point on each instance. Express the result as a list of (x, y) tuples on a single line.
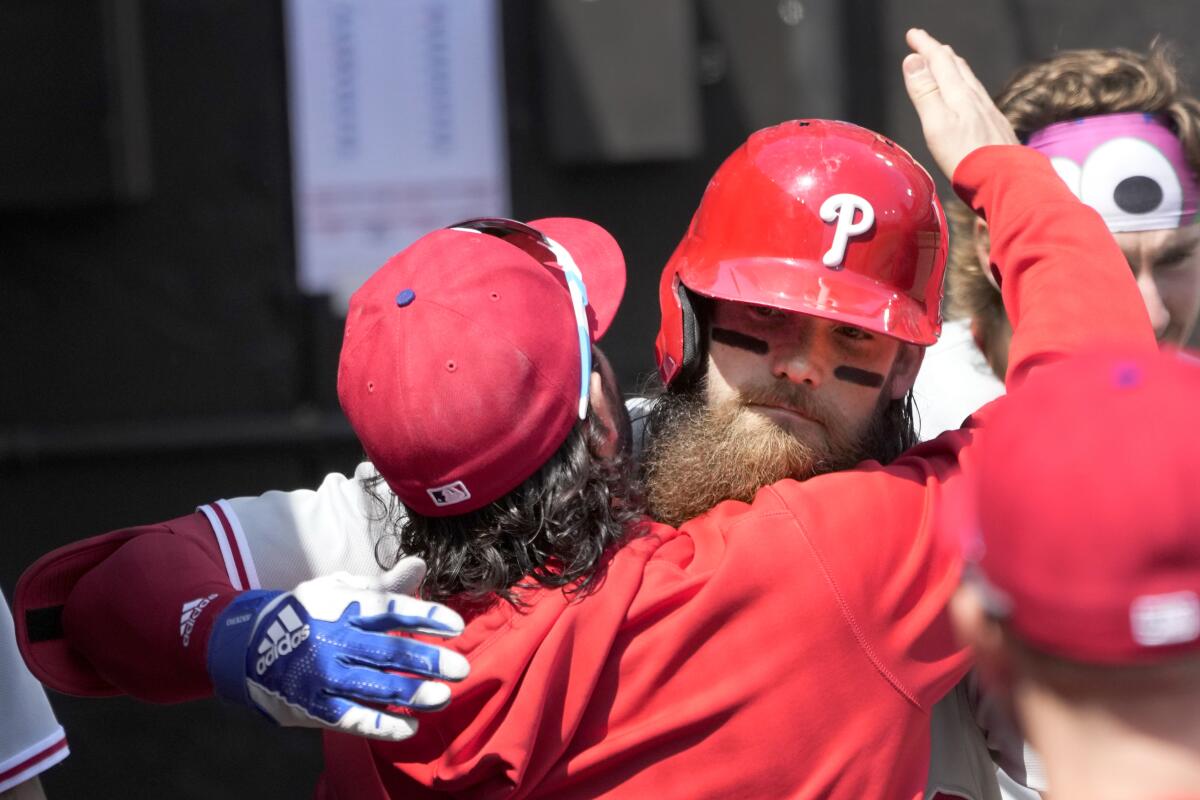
[(1129, 167)]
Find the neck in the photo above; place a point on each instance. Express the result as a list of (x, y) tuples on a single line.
[(1131, 748)]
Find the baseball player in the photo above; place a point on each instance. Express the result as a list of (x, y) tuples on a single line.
[(1124, 135), (31, 740), (1082, 593), (647, 702)]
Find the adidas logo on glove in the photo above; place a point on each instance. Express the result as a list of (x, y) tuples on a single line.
[(284, 635)]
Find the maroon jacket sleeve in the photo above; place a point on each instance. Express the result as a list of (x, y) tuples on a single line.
[(133, 611)]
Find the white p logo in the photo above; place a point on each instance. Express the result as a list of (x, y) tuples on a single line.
[(841, 207)]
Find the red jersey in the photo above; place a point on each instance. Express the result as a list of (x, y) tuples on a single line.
[(790, 647)]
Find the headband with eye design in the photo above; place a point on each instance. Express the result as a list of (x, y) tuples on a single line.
[(1130, 167)]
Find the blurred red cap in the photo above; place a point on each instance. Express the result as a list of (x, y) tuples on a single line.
[(1086, 532)]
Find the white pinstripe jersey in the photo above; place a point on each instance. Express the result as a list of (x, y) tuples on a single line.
[(31, 740)]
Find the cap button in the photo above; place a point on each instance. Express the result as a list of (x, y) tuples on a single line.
[(1128, 375), (405, 297)]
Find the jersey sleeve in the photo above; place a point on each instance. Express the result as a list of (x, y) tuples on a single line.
[(31, 740), (141, 617), (126, 612), (280, 539)]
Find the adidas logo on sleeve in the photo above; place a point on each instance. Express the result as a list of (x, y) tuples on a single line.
[(191, 612), (285, 633)]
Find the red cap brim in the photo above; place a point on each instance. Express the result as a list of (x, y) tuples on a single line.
[(598, 257)]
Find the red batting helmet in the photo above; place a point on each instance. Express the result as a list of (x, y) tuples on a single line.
[(824, 218)]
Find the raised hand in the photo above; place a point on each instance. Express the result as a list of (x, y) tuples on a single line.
[(957, 115), (320, 655)]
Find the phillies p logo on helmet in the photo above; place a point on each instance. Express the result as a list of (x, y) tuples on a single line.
[(774, 228), (842, 208)]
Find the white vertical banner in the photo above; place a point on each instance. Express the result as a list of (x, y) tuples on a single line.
[(397, 120)]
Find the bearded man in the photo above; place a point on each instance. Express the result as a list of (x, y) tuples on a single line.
[(788, 344)]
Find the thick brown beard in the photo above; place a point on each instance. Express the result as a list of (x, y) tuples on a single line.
[(699, 456)]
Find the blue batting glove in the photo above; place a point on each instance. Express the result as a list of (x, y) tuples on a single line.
[(320, 656)]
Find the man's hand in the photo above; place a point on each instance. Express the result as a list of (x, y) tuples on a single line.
[(320, 655), (957, 115)]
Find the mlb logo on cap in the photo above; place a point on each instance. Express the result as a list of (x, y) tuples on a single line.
[(450, 494), (1163, 619)]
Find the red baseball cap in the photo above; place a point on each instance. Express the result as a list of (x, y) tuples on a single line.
[(462, 367), (1086, 518)]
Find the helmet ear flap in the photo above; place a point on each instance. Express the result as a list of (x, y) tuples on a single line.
[(694, 336)]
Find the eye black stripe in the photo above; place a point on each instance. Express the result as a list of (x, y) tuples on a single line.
[(739, 340), (863, 377)]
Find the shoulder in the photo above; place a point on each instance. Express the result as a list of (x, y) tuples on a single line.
[(872, 498), (281, 538)]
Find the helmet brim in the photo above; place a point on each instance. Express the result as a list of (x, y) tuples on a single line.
[(812, 288)]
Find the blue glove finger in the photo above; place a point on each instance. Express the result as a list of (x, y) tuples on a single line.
[(372, 686), (398, 653)]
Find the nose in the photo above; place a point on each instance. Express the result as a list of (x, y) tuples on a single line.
[(1160, 317), (798, 362)]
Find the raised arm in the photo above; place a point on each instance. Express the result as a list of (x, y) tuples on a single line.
[(1065, 283)]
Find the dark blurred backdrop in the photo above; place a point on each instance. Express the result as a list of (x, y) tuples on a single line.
[(156, 351)]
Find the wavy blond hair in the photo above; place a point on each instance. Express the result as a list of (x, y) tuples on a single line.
[(1071, 84)]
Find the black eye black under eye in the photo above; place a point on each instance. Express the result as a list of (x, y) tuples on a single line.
[(739, 340), (862, 377)]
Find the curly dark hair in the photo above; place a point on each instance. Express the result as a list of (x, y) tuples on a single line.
[(555, 530), (897, 429)]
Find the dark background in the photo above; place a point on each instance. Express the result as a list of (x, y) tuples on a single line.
[(155, 351)]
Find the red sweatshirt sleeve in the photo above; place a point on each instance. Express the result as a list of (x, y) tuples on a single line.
[(1066, 284), (141, 617)]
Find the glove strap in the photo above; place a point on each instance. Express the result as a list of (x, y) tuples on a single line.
[(229, 642)]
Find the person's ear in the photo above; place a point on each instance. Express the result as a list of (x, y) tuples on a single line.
[(983, 246), (977, 335), (904, 371), (981, 632), (607, 415)]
